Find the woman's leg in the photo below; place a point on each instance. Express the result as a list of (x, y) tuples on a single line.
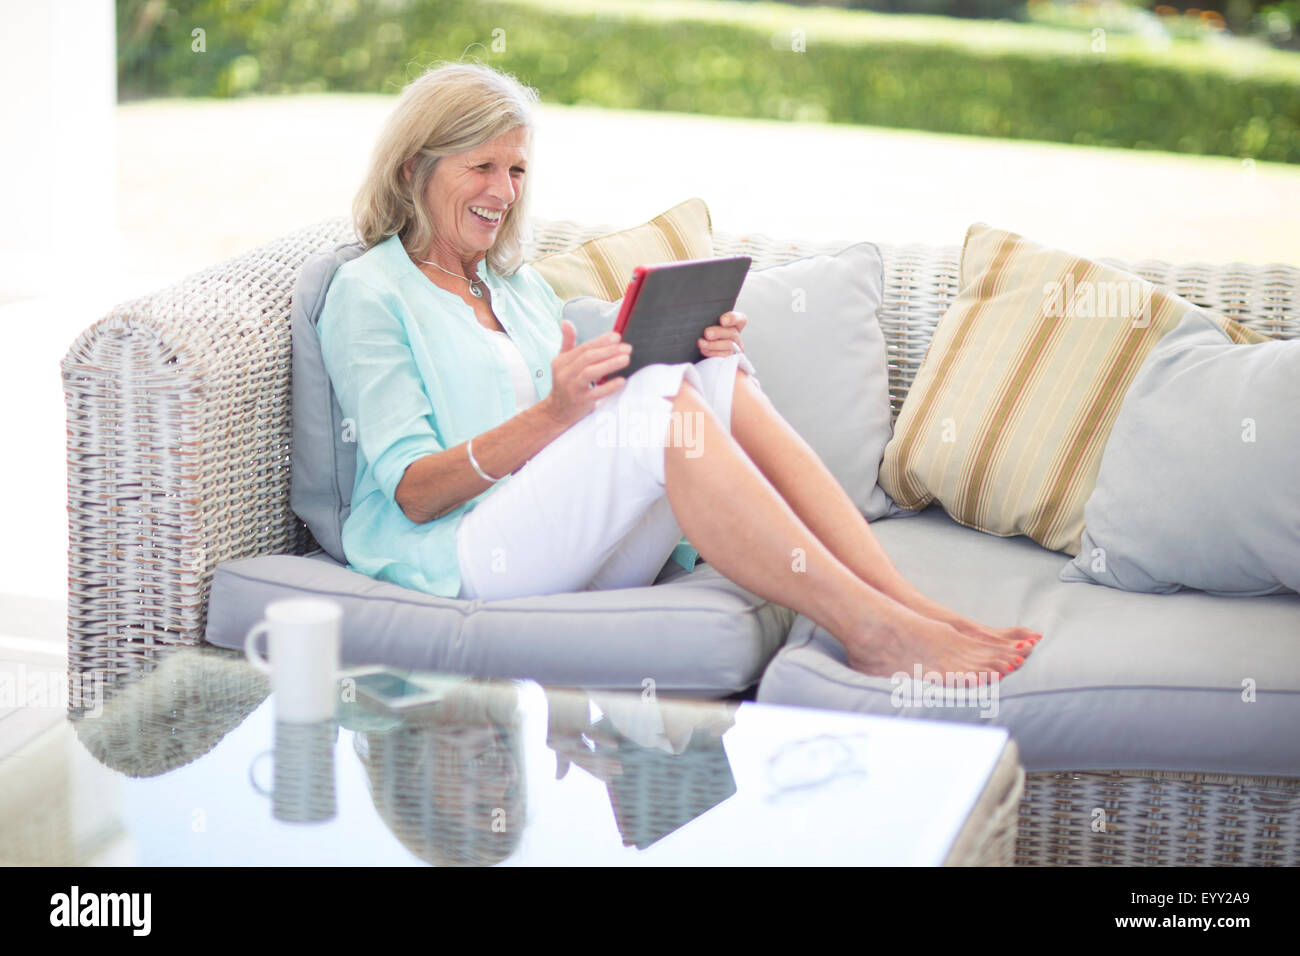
[(557, 522), (743, 526), (816, 497), (642, 553), (639, 557)]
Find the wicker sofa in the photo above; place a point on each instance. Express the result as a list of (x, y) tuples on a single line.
[(179, 450)]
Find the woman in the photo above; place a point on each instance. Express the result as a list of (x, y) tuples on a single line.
[(482, 471)]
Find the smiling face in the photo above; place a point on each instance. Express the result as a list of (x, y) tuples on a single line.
[(470, 194)]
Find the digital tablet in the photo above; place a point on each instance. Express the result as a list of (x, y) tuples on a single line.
[(668, 306)]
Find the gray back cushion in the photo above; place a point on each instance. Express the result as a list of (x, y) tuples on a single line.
[(814, 336), (1197, 486), (324, 464)]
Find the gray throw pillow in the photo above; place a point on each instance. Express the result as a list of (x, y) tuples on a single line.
[(814, 336), (1197, 486), (324, 461)]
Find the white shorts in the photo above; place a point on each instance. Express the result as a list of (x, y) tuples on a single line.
[(590, 510)]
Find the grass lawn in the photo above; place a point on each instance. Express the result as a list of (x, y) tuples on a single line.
[(1231, 55)]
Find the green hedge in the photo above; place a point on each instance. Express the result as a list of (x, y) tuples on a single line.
[(733, 59)]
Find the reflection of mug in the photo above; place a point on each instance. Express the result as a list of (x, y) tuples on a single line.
[(302, 790), (302, 639)]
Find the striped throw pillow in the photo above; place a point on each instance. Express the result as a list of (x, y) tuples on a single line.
[(1008, 417), (602, 267)]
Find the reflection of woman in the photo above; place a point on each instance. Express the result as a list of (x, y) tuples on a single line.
[(449, 781), (481, 470), (662, 766)]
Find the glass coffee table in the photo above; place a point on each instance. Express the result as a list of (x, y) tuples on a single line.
[(182, 762)]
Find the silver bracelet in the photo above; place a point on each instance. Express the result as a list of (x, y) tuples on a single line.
[(469, 447)]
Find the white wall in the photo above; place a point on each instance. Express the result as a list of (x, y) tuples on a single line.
[(58, 203)]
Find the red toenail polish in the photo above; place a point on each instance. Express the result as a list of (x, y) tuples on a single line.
[(1022, 644), (1020, 660)]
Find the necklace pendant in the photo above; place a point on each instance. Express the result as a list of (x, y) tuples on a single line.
[(475, 290)]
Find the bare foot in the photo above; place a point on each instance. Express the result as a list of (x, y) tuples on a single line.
[(900, 639), (1021, 639)]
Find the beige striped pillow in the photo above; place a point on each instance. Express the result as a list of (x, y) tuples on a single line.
[(1007, 419), (602, 267)]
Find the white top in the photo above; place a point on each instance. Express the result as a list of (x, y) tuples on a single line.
[(525, 393)]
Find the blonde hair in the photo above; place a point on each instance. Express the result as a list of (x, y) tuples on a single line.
[(450, 108)]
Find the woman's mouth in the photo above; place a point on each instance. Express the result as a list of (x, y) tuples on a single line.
[(490, 217)]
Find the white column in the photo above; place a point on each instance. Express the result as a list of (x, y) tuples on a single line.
[(58, 189)]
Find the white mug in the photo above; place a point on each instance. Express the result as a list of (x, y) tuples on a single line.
[(303, 638)]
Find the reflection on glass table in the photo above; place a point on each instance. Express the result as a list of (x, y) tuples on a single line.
[(184, 763)]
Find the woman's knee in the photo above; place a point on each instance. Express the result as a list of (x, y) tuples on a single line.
[(656, 386), (690, 393), (721, 377)]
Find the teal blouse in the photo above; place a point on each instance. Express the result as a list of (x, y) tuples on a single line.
[(417, 373)]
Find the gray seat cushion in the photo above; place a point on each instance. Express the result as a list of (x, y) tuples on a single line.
[(695, 634), (1120, 680)]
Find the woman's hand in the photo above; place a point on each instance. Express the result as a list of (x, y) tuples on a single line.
[(601, 759), (718, 339), (571, 397)]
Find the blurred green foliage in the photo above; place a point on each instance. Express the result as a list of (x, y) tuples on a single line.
[(1003, 80)]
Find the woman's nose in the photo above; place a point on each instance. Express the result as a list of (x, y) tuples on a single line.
[(504, 188)]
